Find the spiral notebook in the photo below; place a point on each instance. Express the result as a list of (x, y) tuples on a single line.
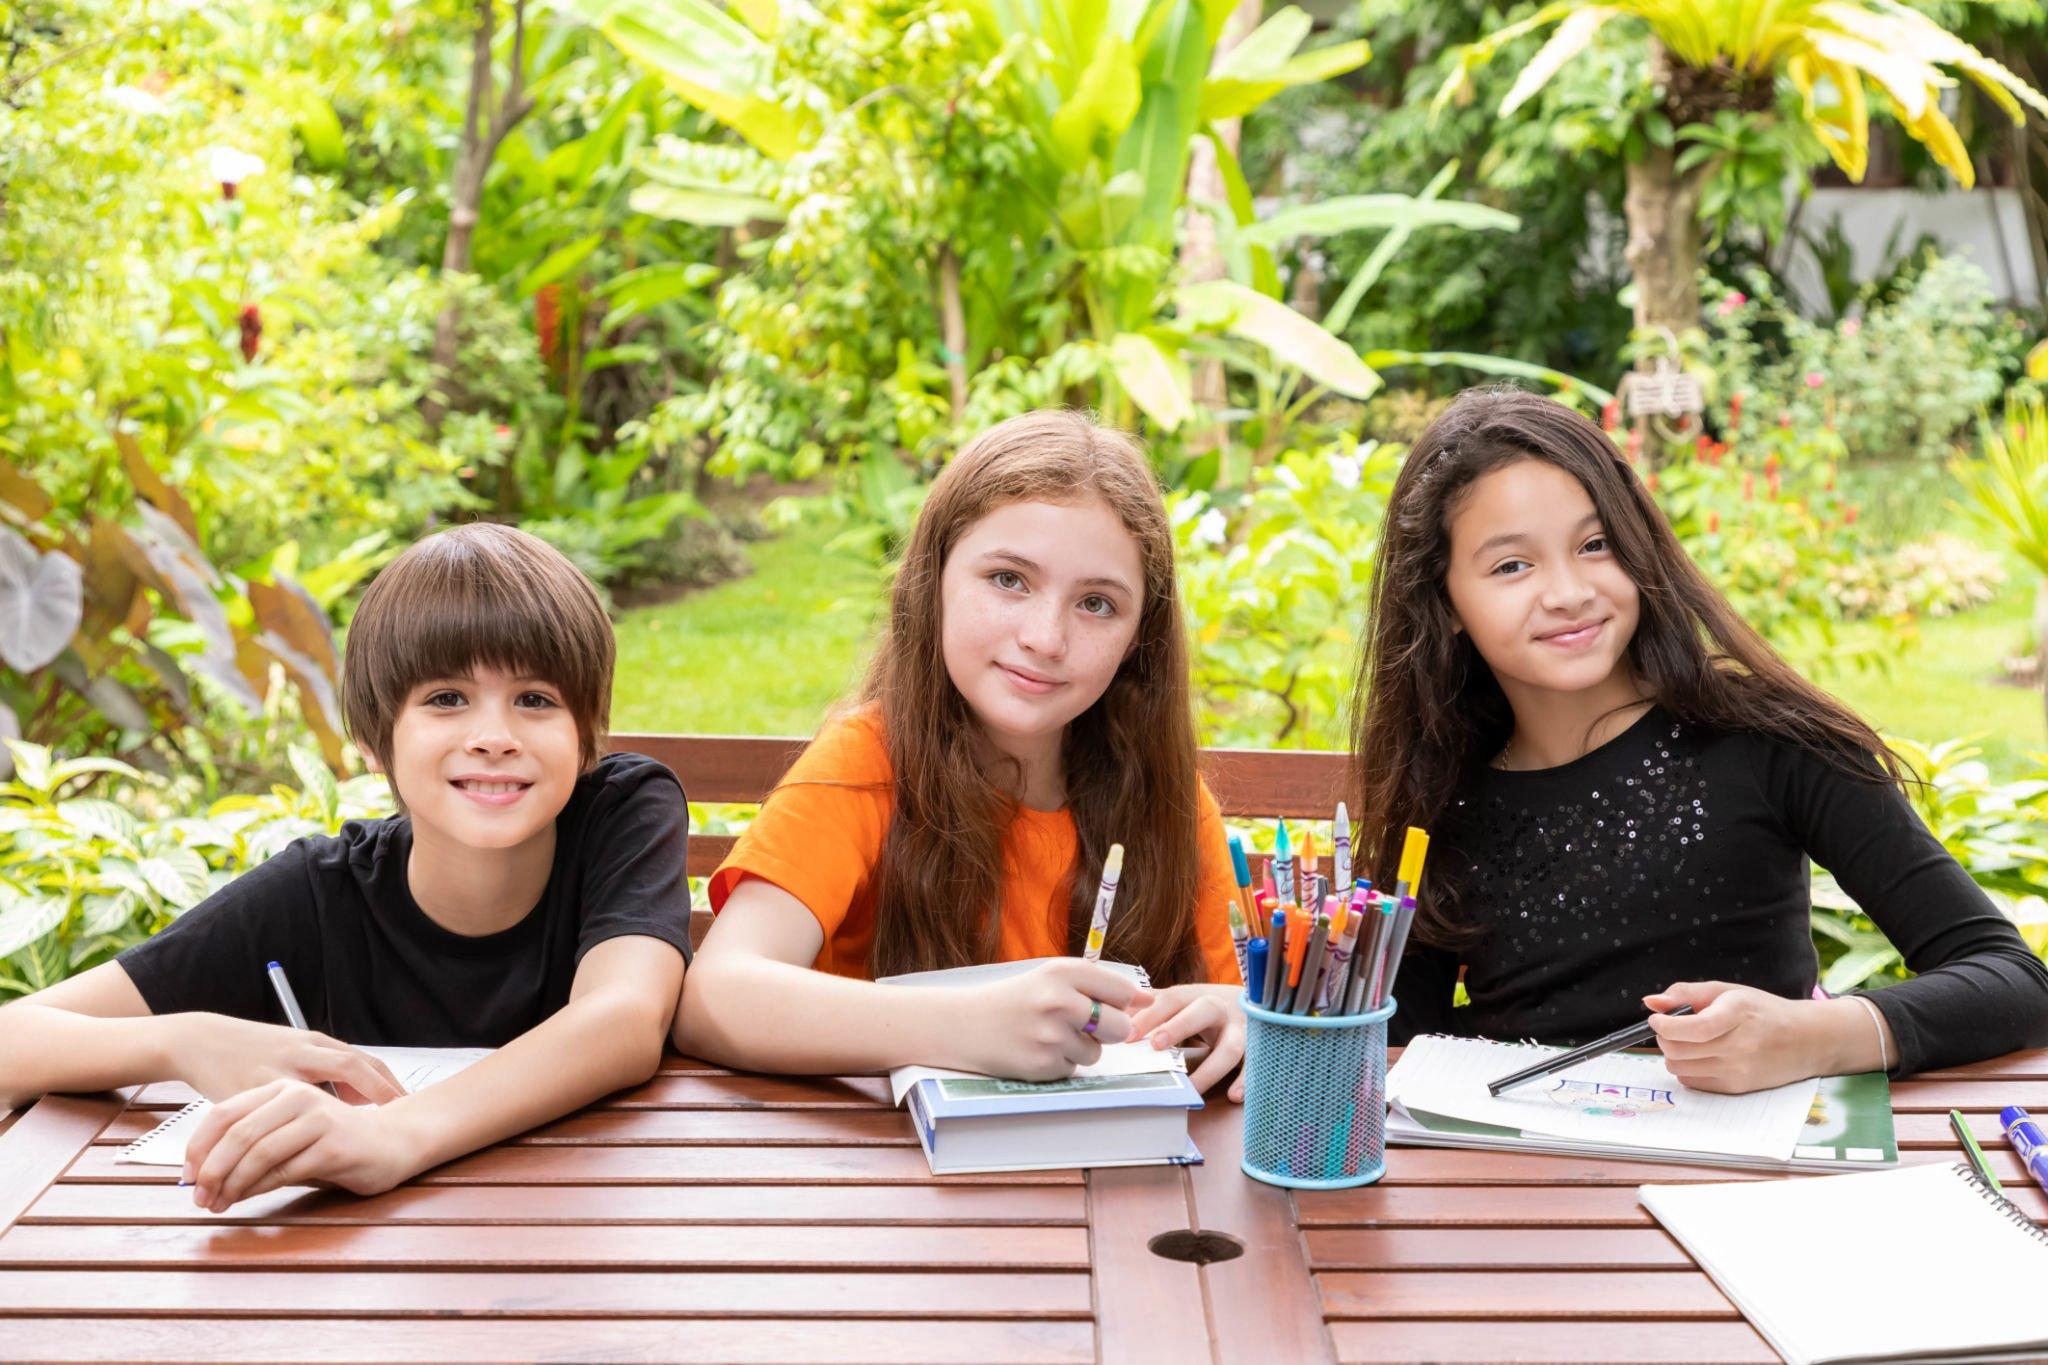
[(1920, 1263), (415, 1067), (1626, 1104)]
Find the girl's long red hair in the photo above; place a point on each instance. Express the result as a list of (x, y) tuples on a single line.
[(1130, 759)]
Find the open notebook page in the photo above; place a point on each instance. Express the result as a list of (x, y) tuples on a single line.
[(1118, 1059), (1624, 1098), (1918, 1263), (415, 1067)]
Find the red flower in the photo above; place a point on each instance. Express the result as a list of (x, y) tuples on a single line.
[(547, 321), (1771, 480), (252, 325), (1849, 515), (1784, 419), (1735, 409), (1610, 414), (1771, 463), (1748, 487), (1713, 523), (1651, 483), (1635, 445)]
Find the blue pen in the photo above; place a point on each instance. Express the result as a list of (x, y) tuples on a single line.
[(1255, 970), (1276, 958), (2028, 1140)]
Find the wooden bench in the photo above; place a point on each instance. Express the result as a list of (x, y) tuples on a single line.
[(1263, 784)]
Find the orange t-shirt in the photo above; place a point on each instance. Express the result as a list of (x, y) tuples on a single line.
[(819, 837)]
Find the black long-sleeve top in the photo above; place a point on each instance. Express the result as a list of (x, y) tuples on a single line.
[(1676, 853)]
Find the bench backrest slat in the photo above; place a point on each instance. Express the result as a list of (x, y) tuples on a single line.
[(1249, 783)]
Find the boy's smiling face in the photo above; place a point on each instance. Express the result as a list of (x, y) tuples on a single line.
[(486, 760)]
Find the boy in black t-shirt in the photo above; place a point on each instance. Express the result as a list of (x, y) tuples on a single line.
[(530, 896)]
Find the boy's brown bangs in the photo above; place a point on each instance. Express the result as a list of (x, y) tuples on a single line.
[(472, 597)]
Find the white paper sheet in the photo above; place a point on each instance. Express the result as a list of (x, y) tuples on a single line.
[(415, 1067), (1624, 1098)]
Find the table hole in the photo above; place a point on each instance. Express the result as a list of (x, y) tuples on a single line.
[(1196, 1248)]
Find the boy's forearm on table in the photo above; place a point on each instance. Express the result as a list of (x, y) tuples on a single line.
[(760, 1014), (590, 1048), (45, 1050)]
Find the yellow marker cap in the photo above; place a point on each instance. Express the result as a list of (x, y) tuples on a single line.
[(1414, 850)]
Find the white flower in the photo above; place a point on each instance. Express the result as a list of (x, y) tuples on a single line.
[(1212, 528), (1346, 469), (136, 100), (231, 166)]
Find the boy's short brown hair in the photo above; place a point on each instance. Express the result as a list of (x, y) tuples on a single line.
[(477, 594)]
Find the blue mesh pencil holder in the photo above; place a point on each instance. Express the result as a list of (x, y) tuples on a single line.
[(1315, 1098)]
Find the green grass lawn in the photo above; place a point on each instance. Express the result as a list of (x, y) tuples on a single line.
[(760, 655), (769, 653)]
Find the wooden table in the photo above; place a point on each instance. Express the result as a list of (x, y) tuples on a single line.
[(714, 1216)]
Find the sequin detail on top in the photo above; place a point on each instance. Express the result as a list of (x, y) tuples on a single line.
[(1617, 867)]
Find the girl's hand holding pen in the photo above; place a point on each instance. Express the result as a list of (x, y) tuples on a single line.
[(1042, 1024), (1179, 1013), (1742, 1039)]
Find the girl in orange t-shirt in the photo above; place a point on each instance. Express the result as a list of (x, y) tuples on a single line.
[(1027, 708)]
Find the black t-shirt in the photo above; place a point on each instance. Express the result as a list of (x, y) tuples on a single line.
[(1676, 853), (367, 964)]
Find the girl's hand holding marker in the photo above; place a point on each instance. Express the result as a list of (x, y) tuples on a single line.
[(1169, 1017)]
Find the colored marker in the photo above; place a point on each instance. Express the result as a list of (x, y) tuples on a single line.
[(1276, 950), (1255, 969), (1365, 961), (1390, 961), (1414, 851), (1311, 972), (1283, 864), (1242, 869), (1105, 901), (1341, 837), (1239, 936), (2028, 1140), (1305, 870), (1971, 1149)]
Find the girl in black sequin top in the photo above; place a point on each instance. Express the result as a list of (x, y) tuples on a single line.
[(1625, 784)]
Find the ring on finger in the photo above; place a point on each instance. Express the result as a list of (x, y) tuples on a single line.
[(1094, 1018)]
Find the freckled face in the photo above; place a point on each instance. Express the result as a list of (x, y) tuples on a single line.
[(1040, 604), (486, 760), (1534, 581)]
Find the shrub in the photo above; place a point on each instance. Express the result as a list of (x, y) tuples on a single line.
[(1903, 379), (1938, 576), (1998, 831), (84, 876), (1276, 581)]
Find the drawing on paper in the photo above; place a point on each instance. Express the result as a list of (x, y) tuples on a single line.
[(1597, 1099)]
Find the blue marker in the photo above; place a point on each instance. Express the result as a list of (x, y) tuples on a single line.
[(1255, 970), (1238, 864), (1283, 864), (1276, 957), (2028, 1141)]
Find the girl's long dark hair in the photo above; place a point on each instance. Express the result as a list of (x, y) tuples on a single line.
[(1130, 759), (1426, 707)]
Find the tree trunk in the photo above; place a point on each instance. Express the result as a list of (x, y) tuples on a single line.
[(485, 122), (953, 329), (1663, 251), (1200, 257)]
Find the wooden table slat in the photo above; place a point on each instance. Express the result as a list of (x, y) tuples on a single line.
[(454, 1341), (1705, 1343), (1487, 1248), (547, 1293), (1461, 1294), (1542, 1206), (676, 1165), (44, 1141), (1147, 1308), (501, 1205), (1273, 1271), (680, 1247)]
